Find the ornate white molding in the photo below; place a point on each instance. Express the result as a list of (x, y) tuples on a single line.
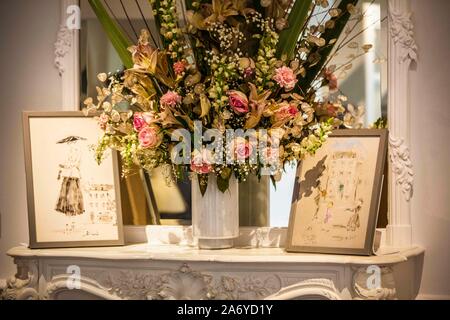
[(402, 32), (23, 285), (58, 285), (63, 44), (163, 272), (386, 290), (187, 284), (402, 165), (67, 59), (312, 288)]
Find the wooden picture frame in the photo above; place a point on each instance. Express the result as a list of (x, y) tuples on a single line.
[(72, 201), (335, 208)]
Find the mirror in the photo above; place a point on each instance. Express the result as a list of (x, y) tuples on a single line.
[(145, 199), (361, 77)]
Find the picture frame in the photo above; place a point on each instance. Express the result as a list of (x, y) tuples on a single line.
[(337, 195), (72, 200)]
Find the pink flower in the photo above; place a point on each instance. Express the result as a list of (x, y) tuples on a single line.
[(103, 121), (332, 80), (179, 67), (331, 109), (149, 117), (285, 78), (171, 99), (238, 101), (248, 72), (138, 122), (201, 162), (285, 113), (149, 137), (242, 149)]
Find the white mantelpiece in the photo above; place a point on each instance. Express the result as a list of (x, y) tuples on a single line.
[(144, 271)]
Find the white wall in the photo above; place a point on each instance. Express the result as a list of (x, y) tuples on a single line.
[(430, 120), (28, 81)]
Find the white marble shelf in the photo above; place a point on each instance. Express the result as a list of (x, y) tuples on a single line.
[(157, 271), (237, 255)]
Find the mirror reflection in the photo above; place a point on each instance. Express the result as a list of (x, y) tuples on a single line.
[(361, 76)]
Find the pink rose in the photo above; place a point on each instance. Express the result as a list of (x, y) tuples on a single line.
[(103, 121), (242, 148), (238, 101), (149, 137), (179, 67), (201, 162), (171, 99), (138, 121), (285, 78)]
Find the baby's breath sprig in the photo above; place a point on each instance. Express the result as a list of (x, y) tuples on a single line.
[(229, 38)]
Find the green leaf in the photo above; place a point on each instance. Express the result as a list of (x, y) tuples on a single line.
[(289, 36), (274, 182), (223, 183), (202, 183), (223, 180), (226, 173), (117, 37)]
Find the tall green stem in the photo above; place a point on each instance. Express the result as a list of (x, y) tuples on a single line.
[(114, 33), (289, 37)]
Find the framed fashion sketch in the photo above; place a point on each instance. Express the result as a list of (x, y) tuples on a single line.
[(72, 200), (337, 195)]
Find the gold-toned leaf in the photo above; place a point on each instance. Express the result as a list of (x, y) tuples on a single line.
[(367, 47), (321, 42), (205, 105), (352, 9), (348, 66), (330, 24), (335, 12)]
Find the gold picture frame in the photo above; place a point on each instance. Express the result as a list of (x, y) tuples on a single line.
[(337, 195), (72, 201)]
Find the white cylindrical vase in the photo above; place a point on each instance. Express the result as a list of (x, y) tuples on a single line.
[(215, 215)]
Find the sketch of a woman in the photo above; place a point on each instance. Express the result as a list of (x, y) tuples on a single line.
[(70, 200)]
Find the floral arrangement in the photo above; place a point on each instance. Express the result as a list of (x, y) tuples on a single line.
[(251, 67)]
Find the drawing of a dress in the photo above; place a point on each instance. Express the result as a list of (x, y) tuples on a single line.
[(70, 200)]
